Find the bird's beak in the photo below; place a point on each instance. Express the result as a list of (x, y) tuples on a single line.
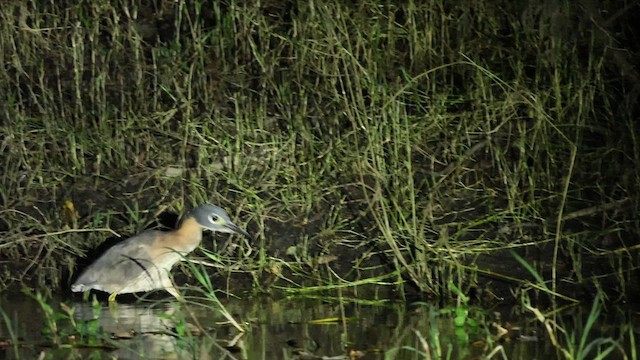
[(236, 229)]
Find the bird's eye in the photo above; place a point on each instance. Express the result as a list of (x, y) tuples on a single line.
[(213, 218)]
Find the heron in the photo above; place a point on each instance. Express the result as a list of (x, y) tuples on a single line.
[(143, 262)]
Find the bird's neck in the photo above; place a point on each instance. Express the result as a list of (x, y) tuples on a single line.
[(188, 235)]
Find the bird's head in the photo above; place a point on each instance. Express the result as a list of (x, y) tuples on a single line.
[(214, 218)]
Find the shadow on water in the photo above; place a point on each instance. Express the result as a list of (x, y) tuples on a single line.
[(277, 329)]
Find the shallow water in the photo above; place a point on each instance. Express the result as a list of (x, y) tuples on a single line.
[(277, 329)]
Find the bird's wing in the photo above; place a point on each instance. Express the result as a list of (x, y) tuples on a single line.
[(123, 262)]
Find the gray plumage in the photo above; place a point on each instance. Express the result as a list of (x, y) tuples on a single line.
[(143, 262)]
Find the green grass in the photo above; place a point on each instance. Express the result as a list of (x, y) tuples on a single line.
[(412, 140)]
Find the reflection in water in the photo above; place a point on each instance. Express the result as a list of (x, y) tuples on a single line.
[(277, 329), (145, 331)]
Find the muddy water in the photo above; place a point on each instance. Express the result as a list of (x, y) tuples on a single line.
[(277, 329)]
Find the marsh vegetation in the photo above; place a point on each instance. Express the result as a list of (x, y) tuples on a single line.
[(463, 154)]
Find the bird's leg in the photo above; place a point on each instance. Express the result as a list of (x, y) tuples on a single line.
[(169, 286), (173, 291), (113, 305)]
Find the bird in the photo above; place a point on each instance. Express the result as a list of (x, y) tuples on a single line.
[(143, 262)]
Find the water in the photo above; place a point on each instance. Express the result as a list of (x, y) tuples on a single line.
[(288, 328)]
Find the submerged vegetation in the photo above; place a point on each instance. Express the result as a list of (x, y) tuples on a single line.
[(441, 149)]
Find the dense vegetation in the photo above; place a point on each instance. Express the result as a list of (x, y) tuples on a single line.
[(417, 141)]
